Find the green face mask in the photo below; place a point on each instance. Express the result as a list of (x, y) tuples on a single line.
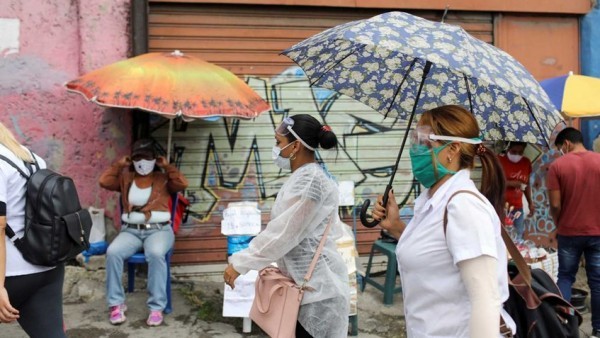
[(422, 161)]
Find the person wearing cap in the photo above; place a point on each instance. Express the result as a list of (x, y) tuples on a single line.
[(304, 207), (146, 182)]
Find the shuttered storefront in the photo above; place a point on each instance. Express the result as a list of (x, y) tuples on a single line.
[(230, 160)]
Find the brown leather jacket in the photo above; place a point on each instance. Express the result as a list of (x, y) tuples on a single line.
[(164, 184)]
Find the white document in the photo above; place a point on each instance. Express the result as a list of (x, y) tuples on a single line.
[(242, 218), (346, 189), (237, 302)]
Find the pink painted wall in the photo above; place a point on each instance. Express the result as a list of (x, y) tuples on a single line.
[(58, 41)]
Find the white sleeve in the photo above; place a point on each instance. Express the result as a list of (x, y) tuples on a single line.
[(3, 185), (470, 230), (304, 211), (480, 278)]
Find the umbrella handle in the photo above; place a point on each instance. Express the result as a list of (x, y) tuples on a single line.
[(365, 206)]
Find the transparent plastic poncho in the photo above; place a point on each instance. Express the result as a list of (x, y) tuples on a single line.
[(304, 206)]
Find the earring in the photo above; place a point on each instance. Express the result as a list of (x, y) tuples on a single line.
[(293, 156), (449, 159)]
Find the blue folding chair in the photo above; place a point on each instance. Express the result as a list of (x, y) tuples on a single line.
[(140, 258)]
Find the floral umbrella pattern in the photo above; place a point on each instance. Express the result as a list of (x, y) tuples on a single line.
[(380, 62), (170, 85)]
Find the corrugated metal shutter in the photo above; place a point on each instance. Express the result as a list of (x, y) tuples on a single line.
[(230, 160)]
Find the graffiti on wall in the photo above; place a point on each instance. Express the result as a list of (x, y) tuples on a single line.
[(539, 226), (229, 160)]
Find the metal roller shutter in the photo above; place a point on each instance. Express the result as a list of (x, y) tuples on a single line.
[(229, 160)]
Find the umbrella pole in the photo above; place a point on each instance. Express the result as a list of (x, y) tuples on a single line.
[(365, 207), (170, 135)]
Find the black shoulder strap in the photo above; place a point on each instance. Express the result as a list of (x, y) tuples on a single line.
[(12, 164), (9, 231), (35, 164)]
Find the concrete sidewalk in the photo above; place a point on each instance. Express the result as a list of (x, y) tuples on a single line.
[(86, 315)]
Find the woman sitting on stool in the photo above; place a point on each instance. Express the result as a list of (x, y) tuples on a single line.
[(145, 195)]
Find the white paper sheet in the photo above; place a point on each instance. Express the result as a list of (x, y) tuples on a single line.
[(237, 302), (242, 218), (346, 189)]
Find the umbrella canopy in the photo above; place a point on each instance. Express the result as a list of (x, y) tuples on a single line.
[(400, 65), (170, 85), (381, 61), (574, 95)]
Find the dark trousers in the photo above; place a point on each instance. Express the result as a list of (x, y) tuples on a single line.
[(38, 297), (301, 332), (570, 250)]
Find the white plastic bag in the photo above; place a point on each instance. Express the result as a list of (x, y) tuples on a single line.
[(98, 232)]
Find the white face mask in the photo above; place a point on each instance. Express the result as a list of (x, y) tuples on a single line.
[(281, 162), (514, 158), (144, 167)]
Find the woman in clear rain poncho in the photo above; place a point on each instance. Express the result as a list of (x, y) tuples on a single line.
[(304, 206)]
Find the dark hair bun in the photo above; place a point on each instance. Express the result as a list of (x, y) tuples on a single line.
[(311, 131), (327, 138)]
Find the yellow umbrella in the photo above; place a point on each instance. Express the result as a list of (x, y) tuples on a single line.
[(574, 95)]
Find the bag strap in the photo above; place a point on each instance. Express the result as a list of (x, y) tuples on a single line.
[(9, 231), (523, 268), (12, 164), (313, 263)]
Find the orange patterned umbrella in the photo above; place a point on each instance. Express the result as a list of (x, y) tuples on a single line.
[(171, 85)]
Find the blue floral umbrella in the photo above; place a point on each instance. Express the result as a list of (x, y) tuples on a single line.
[(402, 65)]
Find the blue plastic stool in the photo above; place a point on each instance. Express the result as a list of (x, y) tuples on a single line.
[(389, 287), (140, 258)]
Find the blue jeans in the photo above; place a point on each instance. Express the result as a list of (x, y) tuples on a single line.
[(156, 243), (570, 249), (519, 225)]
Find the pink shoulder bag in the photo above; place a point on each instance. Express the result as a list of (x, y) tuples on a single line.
[(277, 298)]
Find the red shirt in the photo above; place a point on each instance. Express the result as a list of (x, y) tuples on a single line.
[(519, 171), (577, 177)]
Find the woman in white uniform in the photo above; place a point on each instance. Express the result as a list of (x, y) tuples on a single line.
[(30, 294), (454, 278), (305, 204)]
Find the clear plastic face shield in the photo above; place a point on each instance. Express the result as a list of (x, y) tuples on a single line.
[(422, 138), (285, 128)]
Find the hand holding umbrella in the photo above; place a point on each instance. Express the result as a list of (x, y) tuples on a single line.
[(389, 216)]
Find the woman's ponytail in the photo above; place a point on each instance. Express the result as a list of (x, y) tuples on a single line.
[(493, 183)]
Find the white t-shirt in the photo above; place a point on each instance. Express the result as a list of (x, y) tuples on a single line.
[(436, 302), (12, 192), (139, 197)]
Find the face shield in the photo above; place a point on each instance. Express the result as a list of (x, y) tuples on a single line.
[(282, 129), (423, 136), (285, 128)]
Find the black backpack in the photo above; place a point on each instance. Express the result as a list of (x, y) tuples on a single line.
[(539, 310), (56, 227), (535, 302)]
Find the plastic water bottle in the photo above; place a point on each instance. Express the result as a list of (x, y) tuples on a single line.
[(237, 243)]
